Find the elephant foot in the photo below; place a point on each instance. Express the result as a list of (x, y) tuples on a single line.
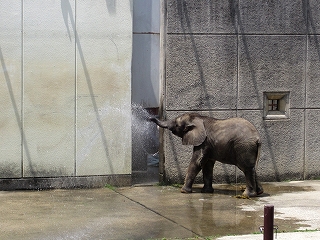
[(259, 190), (186, 190), (249, 194), (207, 190)]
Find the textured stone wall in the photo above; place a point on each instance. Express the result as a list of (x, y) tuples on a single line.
[(221, 56)]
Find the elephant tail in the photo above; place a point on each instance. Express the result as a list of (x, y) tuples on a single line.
[(258, 152)]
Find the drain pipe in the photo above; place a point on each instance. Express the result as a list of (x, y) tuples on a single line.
[(268, 222)]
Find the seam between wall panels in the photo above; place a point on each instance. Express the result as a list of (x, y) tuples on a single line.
[(238, 67), (22, 91), (305, 96), (305, 108), (75, 89), (236, 20)]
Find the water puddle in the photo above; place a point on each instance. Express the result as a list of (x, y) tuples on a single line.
[(221, 213)]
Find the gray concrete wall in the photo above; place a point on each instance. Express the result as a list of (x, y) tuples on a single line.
[(221, 56), (65, 88)]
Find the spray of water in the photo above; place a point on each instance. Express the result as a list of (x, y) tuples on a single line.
[(144, 134), (141, 123), (145, 138)]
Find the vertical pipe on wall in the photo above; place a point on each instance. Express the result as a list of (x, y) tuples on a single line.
[(162, 84)]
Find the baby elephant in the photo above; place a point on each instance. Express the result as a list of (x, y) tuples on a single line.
[(233, 141)]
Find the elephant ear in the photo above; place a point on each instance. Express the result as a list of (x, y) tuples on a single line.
[(195, 133)]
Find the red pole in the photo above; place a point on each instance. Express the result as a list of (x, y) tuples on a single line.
[(268, 222)]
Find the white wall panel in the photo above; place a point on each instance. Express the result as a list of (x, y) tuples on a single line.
[(65, 87), (103, 87), (10, 89), (49, 88)]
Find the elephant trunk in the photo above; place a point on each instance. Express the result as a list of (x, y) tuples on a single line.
[(163, 124)]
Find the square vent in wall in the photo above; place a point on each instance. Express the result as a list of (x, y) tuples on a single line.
[(276, 105)]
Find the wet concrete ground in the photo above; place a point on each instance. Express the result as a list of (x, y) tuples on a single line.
[(156, 212)]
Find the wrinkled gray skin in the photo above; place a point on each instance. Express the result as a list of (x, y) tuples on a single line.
[(233, 141)]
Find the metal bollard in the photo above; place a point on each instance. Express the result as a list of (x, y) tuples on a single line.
[(268, 222)]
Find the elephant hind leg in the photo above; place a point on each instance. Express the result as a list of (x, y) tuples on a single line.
[(251, 183), (259, 188), (253, 186), (249, 193)]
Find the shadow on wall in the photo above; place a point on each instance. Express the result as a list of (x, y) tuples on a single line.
[(255, 85), (17, 116), (68, 14), (307, 14), (205, 99), (111, 6), (309, 20), (247, 61), (183, 11)]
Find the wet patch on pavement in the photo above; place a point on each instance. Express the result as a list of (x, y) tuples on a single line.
[(220, 213), (155, 212)]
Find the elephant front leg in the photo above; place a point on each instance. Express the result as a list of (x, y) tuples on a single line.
[(207, 171), (192, 171)]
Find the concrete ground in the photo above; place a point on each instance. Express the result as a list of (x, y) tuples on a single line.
[(159, 212)]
